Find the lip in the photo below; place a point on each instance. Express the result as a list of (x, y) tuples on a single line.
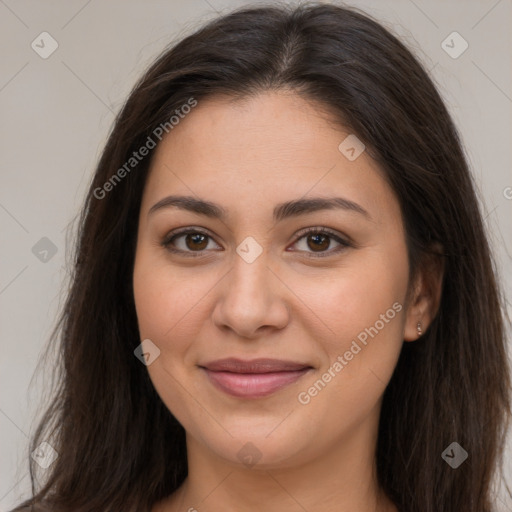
[(256, 378)]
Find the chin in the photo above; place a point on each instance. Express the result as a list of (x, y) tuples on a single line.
[(269, 444)]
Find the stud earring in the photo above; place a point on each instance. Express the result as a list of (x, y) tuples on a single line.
[(418, 327)]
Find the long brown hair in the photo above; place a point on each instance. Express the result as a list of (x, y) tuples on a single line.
[(119, 447)]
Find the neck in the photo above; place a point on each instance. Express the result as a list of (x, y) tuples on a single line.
[(340, 479)]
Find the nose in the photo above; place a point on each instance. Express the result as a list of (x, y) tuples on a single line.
[(252, 300)]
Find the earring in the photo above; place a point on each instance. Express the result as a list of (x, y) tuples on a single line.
[(418, 327)]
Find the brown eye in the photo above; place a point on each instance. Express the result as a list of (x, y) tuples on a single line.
[(318, 242), (188, 242), (196, 241)]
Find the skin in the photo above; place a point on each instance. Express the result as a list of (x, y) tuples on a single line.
[(248, 156)]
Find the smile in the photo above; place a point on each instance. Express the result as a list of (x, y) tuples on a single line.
[(253, 379)]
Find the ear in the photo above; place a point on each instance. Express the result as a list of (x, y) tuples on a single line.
[(424, 295)]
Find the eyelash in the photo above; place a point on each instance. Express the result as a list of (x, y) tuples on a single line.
[(344, 244)]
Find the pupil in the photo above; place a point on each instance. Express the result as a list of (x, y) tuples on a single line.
[(318, 238), (196, 239)]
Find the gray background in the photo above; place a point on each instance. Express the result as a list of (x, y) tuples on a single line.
[(56, 113)]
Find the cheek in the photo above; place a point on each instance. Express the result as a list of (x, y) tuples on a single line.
[(354, 297), (362, 305), (167, 298), (169, 311), (362, 310), (173, 308)]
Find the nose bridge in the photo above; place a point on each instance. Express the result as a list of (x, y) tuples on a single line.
[(249, 285), (250, 298), (250, 273)]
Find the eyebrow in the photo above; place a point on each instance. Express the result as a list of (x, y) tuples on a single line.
[(281, 211)]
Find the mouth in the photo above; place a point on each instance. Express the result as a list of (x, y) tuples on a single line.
[(253, 379)]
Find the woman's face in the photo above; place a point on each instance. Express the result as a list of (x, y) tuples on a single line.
[(247, 282)]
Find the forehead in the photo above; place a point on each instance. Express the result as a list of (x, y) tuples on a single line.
[(279, 124), (271, 147)]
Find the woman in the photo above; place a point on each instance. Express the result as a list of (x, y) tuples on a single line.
[(283, 295)]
